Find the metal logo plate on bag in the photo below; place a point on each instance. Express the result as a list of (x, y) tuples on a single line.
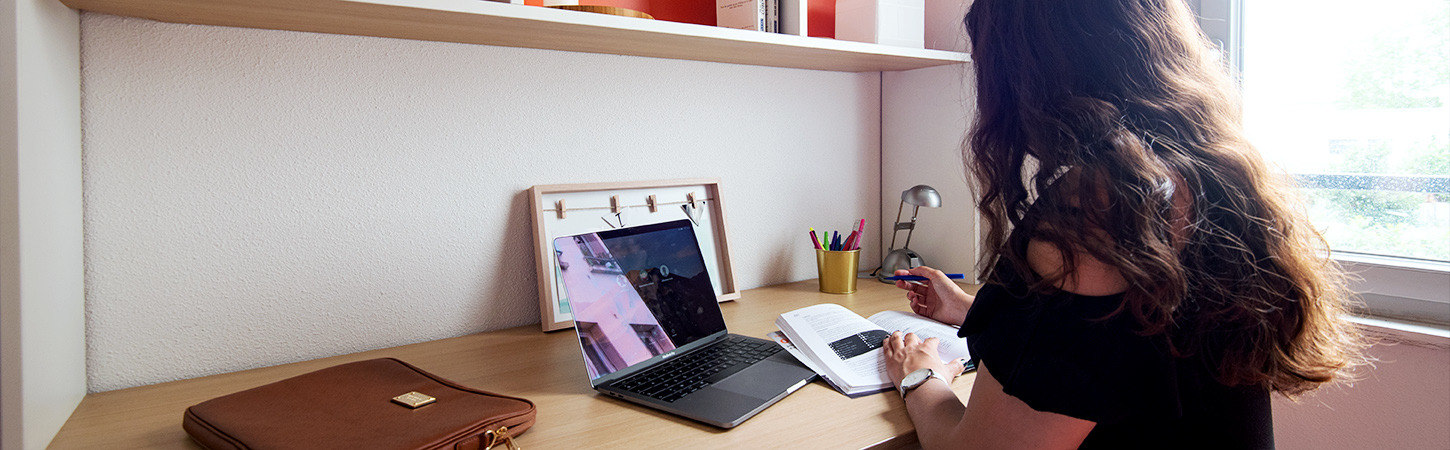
[(414, 400)]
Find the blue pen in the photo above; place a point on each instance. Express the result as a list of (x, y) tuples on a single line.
[(954, 276)]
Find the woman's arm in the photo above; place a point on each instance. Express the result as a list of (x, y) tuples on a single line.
[(991, 419)]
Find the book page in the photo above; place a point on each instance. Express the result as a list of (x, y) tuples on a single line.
[(951, 346), (799, 355), (814, 328)]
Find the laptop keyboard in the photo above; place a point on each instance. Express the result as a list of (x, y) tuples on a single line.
[(691, 372)]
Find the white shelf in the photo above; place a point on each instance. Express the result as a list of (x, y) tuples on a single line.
[(491, 23)]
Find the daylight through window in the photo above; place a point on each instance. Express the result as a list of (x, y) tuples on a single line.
[(1353, 99)]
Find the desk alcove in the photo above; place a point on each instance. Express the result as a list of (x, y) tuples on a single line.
[(545, 368)]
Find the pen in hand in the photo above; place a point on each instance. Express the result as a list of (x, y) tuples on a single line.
[(954, 276)]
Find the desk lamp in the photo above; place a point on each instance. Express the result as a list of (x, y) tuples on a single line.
[(904, 258)]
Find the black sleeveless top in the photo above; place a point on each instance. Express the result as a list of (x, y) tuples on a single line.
[(1056, 354)]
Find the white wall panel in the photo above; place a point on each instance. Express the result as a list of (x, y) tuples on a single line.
[(257, 197), (927, 112), (42, 321)]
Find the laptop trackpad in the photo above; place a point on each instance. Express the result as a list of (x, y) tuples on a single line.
[(761, 380)]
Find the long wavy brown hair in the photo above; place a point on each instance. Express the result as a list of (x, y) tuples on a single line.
[(1092, 114)]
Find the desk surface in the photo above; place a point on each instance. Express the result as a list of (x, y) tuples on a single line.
[(546, 368)]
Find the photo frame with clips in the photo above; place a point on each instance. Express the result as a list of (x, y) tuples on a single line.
[(570, 209)]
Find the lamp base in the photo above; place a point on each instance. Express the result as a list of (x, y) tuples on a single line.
[(899, 259)]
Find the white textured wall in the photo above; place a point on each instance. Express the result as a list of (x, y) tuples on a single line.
[(258, 197)]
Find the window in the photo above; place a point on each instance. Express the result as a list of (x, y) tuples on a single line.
[(1353, 100)]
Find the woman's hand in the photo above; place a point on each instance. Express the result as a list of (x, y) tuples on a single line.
[(906, 353), (938, 297)]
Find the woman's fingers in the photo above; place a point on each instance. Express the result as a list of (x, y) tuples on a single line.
[(893, 342), (910, 340), (898, 341), (936, 276)]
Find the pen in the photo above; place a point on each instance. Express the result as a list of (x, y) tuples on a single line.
[(861, 231), (954, 276), (814, 241)]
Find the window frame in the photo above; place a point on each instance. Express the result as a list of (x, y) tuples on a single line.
[(1390, 287)]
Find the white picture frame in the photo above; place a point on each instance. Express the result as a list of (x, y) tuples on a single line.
[(570, 209)]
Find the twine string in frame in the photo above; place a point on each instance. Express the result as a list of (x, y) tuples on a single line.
[(691, 206)]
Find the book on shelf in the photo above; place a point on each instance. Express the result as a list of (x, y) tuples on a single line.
[(792, 17), (756, 15), (772, 16), (845, 348)]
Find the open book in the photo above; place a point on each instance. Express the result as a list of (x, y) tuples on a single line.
[(845, 349)]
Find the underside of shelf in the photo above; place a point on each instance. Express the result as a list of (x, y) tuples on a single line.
[(491, 23)]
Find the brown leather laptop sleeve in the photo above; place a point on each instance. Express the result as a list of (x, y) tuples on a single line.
[(352, 406)]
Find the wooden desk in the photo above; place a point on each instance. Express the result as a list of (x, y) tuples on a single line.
[(547, 369)]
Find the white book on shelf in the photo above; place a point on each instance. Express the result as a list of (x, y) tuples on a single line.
[(899, 23), (793, 15)]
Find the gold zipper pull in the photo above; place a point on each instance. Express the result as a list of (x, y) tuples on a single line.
[(493, 437)]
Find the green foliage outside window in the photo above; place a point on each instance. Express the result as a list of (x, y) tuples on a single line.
[(1407, 66), (1407, 224)]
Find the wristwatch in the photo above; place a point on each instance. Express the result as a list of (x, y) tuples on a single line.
[(917, 378)]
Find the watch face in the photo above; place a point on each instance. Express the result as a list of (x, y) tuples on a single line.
[(916, 377)]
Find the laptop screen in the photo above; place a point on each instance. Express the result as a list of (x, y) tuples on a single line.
[(637, 293)]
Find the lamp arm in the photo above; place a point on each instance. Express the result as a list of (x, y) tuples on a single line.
[(893, 228), (914, 210)]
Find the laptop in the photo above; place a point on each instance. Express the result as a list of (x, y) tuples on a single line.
[(652, 333)]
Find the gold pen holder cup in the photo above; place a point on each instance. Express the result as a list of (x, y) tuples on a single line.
[(837, 270)]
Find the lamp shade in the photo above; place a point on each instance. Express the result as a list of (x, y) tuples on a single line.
[(921, 195)]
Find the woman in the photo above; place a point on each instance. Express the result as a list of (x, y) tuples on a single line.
[(1149, 282)]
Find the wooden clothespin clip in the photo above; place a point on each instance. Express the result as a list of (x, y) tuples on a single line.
[(653, 206), (614, 204), (559, 208), (690, 197)]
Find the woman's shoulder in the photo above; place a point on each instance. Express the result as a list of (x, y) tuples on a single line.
[(1088, 276), (1056, 248)]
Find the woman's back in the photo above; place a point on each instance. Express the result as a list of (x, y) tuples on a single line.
[(1109, 122), (1070, 354), (1150, 280)]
